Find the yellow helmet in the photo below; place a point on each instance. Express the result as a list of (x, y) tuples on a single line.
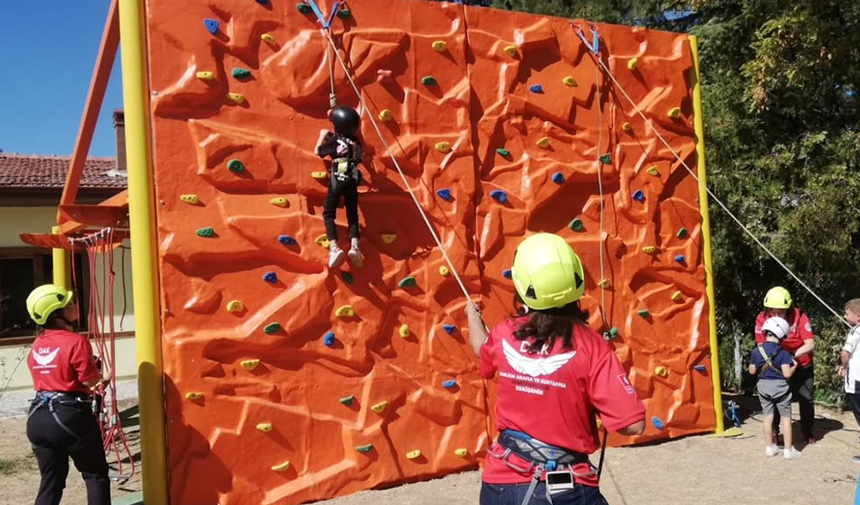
[(45, 299), (777, 298), (547, 273)]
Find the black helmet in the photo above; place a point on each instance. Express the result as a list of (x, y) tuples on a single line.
[(345, 120)]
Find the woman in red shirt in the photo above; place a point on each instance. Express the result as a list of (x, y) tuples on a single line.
[(555, 374), (61, 421)]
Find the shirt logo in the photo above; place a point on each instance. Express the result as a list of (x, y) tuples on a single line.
[(626, 383), (44, 356), (535, 367)]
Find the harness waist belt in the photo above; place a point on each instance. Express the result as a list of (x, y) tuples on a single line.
[(62, 395), (537, 452)]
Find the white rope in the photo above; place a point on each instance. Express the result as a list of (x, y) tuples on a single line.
[(366, 110), (712, 195), (600, 244)]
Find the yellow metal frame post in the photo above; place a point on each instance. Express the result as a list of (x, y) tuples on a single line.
[(62, 271), (135, 86), (706, 235)]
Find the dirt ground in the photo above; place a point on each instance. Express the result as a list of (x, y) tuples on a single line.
[(696, 469)]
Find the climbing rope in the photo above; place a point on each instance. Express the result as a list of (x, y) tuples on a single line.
[(719, 202)]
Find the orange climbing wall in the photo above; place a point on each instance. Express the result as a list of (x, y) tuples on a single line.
[(251, 384)]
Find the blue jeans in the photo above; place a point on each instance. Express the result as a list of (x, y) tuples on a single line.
[(513, 494)]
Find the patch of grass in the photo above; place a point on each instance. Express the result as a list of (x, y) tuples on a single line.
[(13, 466)]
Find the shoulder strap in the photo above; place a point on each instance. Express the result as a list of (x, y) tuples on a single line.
[(767, 359)]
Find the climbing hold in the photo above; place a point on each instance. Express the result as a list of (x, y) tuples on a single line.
[(569, 81), (503, 152), (643, 313), (206, 232), (449, 328), (499, 195), (328, 339), (558, 178), (264, 427), (639, 196), (383, 75), (388, 238), (626, 127), (676, 296), (262, 2), (270, 277), (211, 25), (543, 142), (674, 112), (279, 201), (606, 159), (448, 384), (364, 448), (680, 258), (379, 407), (404, 331), (604, 283), (345, 311), (323, 241), (661, 371), (443, 147), (649, 249), (344, 14), (249, 364), (347, 400), (631, 63), (281, 467), (205, 76), (444, 193), (193, 395), (235, 166), (439, 45), (443, 271), (241, 73), (652, 170), (413, 454), (268, 38), (428, 81), (189, 199), (511, 50), (235, 306), (461, 452), (236, 97), (347, 277), (613, 333), (319, 175), (506, 274), (700, 368), (536, 88), (385, 115), (657, 423), (287, 240), (304, 8), (576, 224), (272, 328), (682, 233), (408, 282)]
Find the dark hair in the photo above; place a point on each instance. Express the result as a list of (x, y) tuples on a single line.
[(544, 326)]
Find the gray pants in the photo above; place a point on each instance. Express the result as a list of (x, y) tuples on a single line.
[(774, 394)]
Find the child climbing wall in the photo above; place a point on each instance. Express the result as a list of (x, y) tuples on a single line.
[(288, 382)]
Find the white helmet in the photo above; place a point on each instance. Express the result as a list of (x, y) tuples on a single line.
[(777, 326)]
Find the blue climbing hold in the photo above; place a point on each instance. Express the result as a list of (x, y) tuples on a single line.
[(700, 368), (558, 178), (444, 193), (449, 328), (680, 258), (448, 384), (287, 240), (506, 274), (211, 25), (639, 196), (536, 88), (499, 195), (328, 339), (657, 423), (270, 277), (262, 2)]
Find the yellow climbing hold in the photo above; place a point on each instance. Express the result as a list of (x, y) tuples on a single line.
[(319, 175), (322, 240), (569, 81), (264, 427), (345, 311), (189, 199), (379, 407), (279, 201), (236, 97), (674, 112), (605, 283), (652, 170), (661, 371), (249, 364), (511, 50), (388, 238), (404, 331), (194, 395), (676, 296), (413, 454), (631, 63), (461, 452), (649, 249), (206, 76), (543, 142), (235, 306), (268, 38), (443, 147), (443, 271), (440, 45), (281, 467), (627, 127), (385, 115)]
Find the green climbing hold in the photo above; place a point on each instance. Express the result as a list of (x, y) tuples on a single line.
[(503, 152), (272, 328), (344, 14), (347, 277), (206, 232), (364, 448), (235, 166), (606, 159), (613, 332), (347, 400), (576, 224), (643, 313), (304, 8), (408, 282), (682, 233), (428, 81), (241, 73)]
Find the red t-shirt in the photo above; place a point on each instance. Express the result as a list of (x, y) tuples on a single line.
[(800, 330), (553, 395), (61, 361)]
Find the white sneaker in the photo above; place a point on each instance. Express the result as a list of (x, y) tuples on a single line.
[(792, 453), (355, 257), (335, 256), (772, 450)]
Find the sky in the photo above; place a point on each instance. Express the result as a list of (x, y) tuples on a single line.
[(48, 50)]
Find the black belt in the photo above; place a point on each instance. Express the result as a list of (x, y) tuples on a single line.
[(539, 453)]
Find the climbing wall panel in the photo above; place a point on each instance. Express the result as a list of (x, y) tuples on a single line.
[(287, 382)]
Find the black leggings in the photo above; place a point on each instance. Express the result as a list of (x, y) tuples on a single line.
[(802, 385), (52, 446), (349, 191)]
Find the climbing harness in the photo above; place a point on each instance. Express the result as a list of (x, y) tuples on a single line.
[(344, 167), (50, 399)]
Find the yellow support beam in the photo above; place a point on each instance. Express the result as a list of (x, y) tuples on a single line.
[(706, 235), (135, 88), (62, 271)]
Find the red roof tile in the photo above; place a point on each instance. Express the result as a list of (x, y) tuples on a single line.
[(49, 172)]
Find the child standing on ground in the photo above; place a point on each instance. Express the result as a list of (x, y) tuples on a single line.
[(774, 366), (850, 368), (345, 151)]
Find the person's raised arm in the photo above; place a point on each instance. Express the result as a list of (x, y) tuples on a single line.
[(477, 328)]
